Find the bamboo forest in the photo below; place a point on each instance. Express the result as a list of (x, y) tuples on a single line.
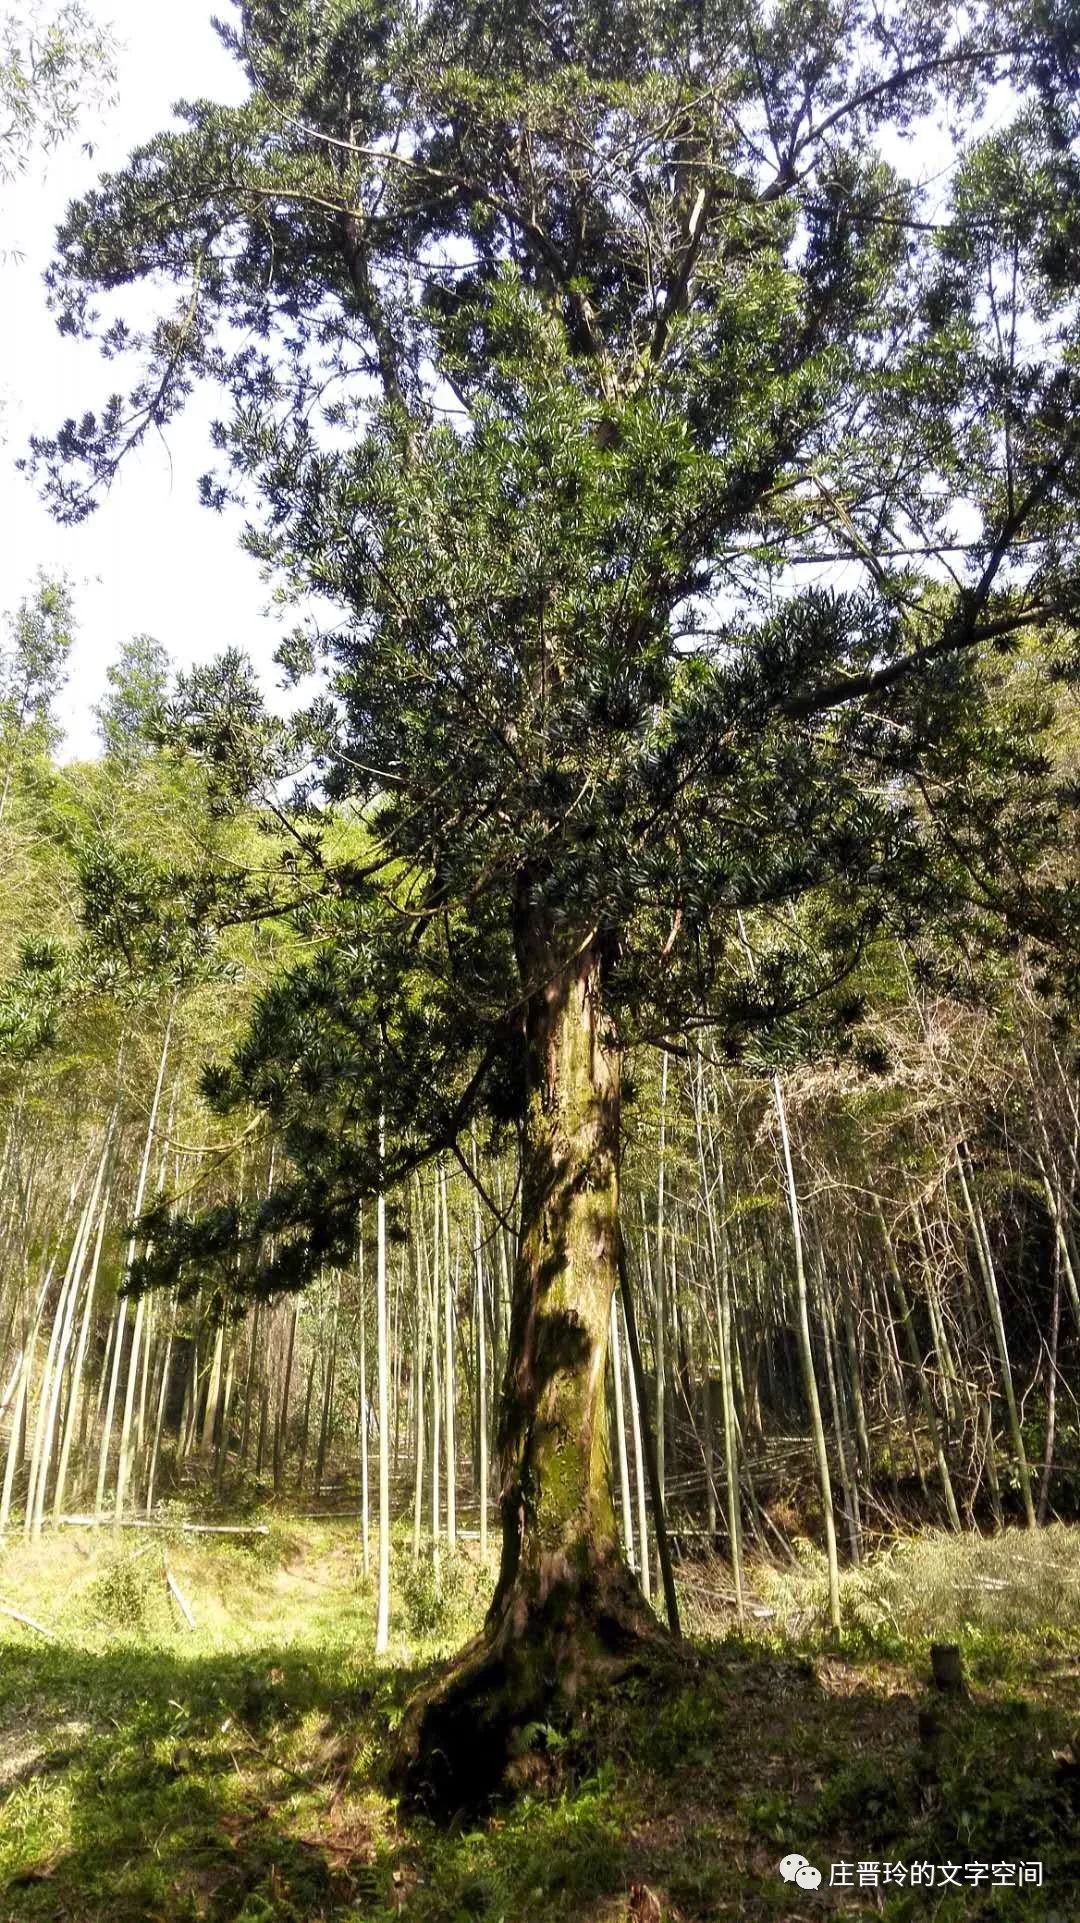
[(540, 1077)]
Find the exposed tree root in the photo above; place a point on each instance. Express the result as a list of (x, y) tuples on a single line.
[(557, 1637)]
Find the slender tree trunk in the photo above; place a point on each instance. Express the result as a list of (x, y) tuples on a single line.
[(281, 1426), (123, 1467), (721, 1265), (807, 1353), (847, 1480), (501, 1296), (643, 1569), (419, 1412), (382, 1629), (481, 1376), (1051, 1389), (946, 1366), (18, 1416), (222, 1456), (729, 1350), (891, 1353), (365, 1499), (708, 1444), (273, 1345), (144, 1380), (212, 1405), (1062, 1239), (159, 1417), (986, 1264), (918, 1372), (59, 1341), (661, 1302), (75, 1390), (189, 1418), (990, 1462), (306, 1427), (249, 1379), (434, 1291), (328, 1391), (858, 1406), (620, 1437), (663, 1554), (119, 1325), (449, 1279)]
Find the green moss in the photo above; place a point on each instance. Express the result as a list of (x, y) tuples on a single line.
[(561, 1490)]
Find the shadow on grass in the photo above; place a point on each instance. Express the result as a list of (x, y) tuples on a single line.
[(234, 1788), (179, 1785)]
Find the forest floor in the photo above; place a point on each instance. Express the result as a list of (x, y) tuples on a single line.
[(155, 1773)]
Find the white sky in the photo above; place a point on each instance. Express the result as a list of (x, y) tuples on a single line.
[(151, 560)]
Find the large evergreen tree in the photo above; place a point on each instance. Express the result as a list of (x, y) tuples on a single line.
[(674, 465)]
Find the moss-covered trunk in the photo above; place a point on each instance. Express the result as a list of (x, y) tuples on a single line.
[(567, 1610), (557, 1513)]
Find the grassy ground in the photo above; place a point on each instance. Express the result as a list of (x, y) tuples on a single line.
[(150, 1773)]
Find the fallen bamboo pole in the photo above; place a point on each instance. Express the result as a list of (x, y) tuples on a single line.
[(181, 1599), (188, 1528), (18, 1617)]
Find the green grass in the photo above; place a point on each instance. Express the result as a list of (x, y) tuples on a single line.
[(234, 1774), (1005, 1599)]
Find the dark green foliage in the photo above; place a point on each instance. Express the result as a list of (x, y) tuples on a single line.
[(557, 351), (31, 999)]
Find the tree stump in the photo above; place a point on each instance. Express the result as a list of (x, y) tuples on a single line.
[(947, 1668)]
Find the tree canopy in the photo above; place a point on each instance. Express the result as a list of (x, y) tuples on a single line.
[(676, 467)]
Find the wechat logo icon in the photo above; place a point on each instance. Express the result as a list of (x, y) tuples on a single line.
[(794, 1868)]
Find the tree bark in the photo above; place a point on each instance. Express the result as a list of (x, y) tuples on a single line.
[(566, 1610)]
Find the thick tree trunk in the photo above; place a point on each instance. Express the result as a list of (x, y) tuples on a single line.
[(566, 1610), (559, 1531)]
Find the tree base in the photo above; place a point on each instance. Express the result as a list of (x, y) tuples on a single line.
[(555, 1638)]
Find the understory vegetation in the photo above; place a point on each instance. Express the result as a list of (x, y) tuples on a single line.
[(236, 1770)]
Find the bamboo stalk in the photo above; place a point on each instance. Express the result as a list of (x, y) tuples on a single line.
[(663, 1552), (382, 1628)]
